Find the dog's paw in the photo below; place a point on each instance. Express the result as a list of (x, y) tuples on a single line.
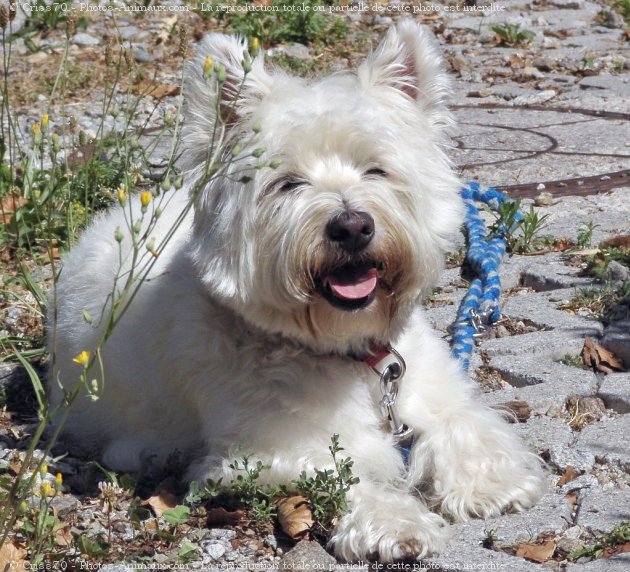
[(481, 470), (496, 486), (390, 530)]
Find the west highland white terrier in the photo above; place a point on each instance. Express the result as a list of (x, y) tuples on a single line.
[(257, 327)]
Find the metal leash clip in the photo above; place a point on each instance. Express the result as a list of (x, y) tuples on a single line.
[(480, 322), (389, 378)]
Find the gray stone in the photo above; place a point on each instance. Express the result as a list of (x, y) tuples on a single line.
[(383, 21), (608, 440), (307, 555), (141, 55), (298, 51), (618, 271), (617, 84), (614, 391), (535, 98), (618, 563), (562, 457), (214, 549), (83, 39), (601, 510), (64, 505), (221, 534)]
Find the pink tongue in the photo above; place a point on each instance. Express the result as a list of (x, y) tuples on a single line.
[(362, 287)]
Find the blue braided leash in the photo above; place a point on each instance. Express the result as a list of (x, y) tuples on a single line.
[(480, 306)]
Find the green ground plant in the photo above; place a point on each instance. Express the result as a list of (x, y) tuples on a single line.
[(521, 230), (51, 195), (306, 22), (325, 489), (619, 535), (512, 34)]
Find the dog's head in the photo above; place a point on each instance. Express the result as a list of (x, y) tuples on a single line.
[(335, 245)]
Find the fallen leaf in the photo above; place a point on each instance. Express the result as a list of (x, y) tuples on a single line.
[(569, 475), (160, 503), (15, 466), (12, 557), (63, 536), (295, 517), (620, 241), (599, 358), (8, 206), (521, 409), (608, 552), (537, 552), (218, 517)]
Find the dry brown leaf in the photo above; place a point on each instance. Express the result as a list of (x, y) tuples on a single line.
[(537, 552), (520, 408), (161, 502), (63, 536), (608, 552), (569, 475), (599, 358), (218, 517), (295, 517), (516, 61), (620, 241), (16, 464), (12, 557), (157, 90), (8, 206)]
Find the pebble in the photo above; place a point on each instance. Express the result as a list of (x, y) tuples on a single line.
[(214, 549), (544, 199), (535, 98), (618, 272), (141, 55), (83, 39)]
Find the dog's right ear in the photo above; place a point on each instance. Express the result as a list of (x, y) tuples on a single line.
[(232, 99)]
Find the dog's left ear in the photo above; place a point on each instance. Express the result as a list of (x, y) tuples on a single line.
[(408, 61)]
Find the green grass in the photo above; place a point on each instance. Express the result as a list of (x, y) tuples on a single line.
[(313, 25)]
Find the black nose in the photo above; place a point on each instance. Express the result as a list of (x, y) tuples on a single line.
[(351, 230)]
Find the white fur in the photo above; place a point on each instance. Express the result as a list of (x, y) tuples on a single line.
[(228, 349)]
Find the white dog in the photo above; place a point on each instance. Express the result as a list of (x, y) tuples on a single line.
[(251, 333)]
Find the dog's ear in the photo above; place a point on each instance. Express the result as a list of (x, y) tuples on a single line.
[(232, 99), (408, 61)]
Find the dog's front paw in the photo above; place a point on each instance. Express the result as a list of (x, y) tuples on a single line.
[(480, 469), (394, 527)]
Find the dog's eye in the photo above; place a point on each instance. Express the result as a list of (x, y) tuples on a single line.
[(288, 185), (376, 172)]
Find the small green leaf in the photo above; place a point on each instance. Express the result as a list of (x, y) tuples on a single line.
[(178, 515)]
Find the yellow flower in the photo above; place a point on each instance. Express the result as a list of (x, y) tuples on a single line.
[(255, 46), (122, 195), (207, 66), (44, 122), (37, 128), (43, 469), (145, 198), (58, 480), (83, 358), (46, 489)]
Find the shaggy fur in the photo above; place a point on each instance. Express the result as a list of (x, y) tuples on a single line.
[(231, 344)]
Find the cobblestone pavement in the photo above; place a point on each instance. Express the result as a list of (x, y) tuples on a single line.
[(574, 78)]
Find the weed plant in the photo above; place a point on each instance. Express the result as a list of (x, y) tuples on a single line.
[(54, 178)]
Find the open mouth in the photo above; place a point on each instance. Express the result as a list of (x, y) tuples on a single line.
[(350, 287)]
